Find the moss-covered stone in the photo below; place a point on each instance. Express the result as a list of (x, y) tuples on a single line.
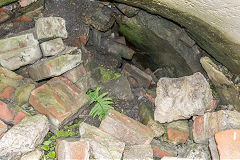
[(54, 66), (146, 117), (226, 89), (160, 50), (5, 2), (22, 94), (8, 83), (108, 75), (214, 41)]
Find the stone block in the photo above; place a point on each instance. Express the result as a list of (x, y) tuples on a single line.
[(72, 149), (197, 151), (50, 27), (25, 136), (52, 47), (37, 154), (213, 149), (19, 51), (102, 145), (138, 152), (54, 66), (181, 98)]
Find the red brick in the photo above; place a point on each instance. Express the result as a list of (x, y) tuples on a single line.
[(23, 18), (6, 113), (3, 128), (7, 92), (19, 117), (4, 15), (228, 144), (157, 152), (126, 129), (199, 126), (142, 78), (72, 149), (208, 125)]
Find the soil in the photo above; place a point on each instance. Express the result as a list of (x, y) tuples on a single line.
[(73, 12)]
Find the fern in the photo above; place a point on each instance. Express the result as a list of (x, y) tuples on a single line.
[(102, 103)]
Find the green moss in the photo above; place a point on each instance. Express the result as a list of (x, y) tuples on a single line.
[(49, 144), (160, 51), (108, 75), (22, 93), (133, 32), (5, 2)]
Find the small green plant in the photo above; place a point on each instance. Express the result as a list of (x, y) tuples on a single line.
[(50, 144), (122, 111), (214, 93), (108, 75), (102, 103)]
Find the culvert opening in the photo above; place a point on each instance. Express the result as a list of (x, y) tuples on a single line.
[(73, 61)]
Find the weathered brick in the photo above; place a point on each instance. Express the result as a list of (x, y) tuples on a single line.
[(142, 78), (102, 144), (54, 66), (72, 149), (4, 15), (206, 126), (161, 149), (60, 100), (228, 144), (19, 51), (52, 47), (126, 129), (178, 131)]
